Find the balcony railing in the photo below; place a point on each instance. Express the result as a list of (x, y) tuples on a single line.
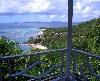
[(81, 61)]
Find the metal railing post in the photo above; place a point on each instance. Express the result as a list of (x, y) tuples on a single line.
[(0, 71), (9, 69), (0, 74), (69, 38), (75, 65), (62, 66)]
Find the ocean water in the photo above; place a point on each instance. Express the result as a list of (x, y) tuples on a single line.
[(21, 32)]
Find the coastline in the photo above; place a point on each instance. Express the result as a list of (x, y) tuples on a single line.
[(38, 45), (41, 31)]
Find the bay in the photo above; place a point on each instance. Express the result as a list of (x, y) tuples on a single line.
[(21, 32)]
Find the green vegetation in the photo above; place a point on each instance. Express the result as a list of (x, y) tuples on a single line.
[(86, 36), (8, 47), (52, 38)]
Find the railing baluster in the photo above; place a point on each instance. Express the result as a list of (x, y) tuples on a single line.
[(30, 60), (38, 58), (82, 73), (0, 74), (9, 68), (90, 68), (75, 57), (62, 66), (0, 71)]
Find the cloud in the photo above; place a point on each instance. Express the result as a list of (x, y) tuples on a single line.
[(24, 6), (52, 9), (52, 16), (86, 9), (36, 6), (32, 6)]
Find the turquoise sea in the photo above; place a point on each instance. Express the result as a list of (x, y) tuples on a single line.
[(21, 32)]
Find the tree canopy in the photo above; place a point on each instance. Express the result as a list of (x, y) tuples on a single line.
[(8, 47)]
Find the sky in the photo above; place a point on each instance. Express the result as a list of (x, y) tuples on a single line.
[(47, 10)]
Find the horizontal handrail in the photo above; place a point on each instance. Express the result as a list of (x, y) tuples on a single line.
[(86, 53), (36, 54), (48, 51)]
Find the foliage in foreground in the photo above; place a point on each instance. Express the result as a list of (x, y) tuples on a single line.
[(8, 47)]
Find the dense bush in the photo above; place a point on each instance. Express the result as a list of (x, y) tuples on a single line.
[(8, 47)]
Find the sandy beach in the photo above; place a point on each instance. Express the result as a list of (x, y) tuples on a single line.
[(38, 46)]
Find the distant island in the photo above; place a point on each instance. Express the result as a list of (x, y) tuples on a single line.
[(54, 22)]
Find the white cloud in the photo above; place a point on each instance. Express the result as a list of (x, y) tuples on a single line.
[(95, 0), (52, 8), (36, 6), (52, 16), (77, 5), (64, 16), (86, 8), (19, 6), (31, 6)]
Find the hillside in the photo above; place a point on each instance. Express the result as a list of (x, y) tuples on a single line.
[(86, 36)]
